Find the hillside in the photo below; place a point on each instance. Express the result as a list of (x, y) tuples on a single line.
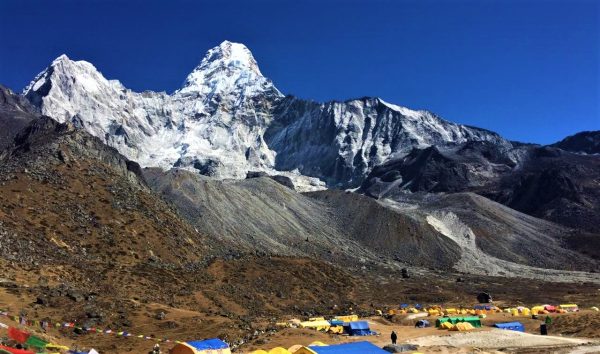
[(544, 182), (261, 215)]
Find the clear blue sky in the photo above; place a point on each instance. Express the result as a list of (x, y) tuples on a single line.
[(529, 70)]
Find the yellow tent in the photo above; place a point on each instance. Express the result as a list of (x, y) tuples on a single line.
[(336, 329), (279, 350), (594, 308), (569, 307), (318, 325), (317, 344), (347, 318), (305, 350), (317, 319), (259, 351), (433, 312), (451, 311), (462, 326), (537, 309), (446, 325), (294, 348)]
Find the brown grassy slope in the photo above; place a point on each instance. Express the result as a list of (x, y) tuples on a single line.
[(64, 197)]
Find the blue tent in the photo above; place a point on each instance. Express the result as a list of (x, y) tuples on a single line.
[(403, 306), (513, 326), (336, 322), (422, 324), (357, 328), (349, 348), (207, 344), (483, 307)]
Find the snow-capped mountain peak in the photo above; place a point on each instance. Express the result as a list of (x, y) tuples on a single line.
[(227, 68), (231, 55)]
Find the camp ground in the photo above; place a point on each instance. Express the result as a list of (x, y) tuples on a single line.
[(432, 326)]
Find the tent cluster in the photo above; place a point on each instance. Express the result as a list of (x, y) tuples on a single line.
[(347, 325), (541, 309), (321, 348), (437, 310), (482, 310), (458, 323)]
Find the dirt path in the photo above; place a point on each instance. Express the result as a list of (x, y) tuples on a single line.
[(496, 339)]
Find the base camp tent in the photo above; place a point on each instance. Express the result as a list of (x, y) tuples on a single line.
[(486, 307), (474, 321), (569, 307), (347, 318), (422, 324), (347, 348), (512, 326), (336, 322), (208, 346), (446, 325), (462, 326), (357, 328), (319, 325), (294, 348)]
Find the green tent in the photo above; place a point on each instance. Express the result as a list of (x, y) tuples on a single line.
[(474, 321)]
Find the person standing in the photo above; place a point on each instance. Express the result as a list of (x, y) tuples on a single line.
[(394, 337)]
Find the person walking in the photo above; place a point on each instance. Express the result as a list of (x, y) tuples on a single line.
[(394, 337)]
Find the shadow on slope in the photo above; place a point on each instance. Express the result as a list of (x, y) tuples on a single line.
[(261, 215)]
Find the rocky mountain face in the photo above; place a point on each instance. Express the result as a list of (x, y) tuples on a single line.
[(341, 142), (583, 142), (229, 119), (545, 182), (15, 113)]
